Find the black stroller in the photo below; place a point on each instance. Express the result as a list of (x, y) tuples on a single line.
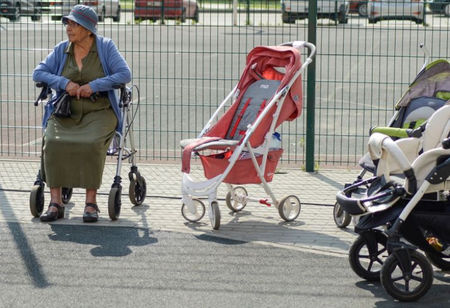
[(429, 91), (405, 207), (121, 147)]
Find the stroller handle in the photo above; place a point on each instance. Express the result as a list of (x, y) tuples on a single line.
[(302, 44), (426, 54), (359, 206)]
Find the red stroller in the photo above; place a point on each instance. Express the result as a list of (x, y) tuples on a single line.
[(239, 144)]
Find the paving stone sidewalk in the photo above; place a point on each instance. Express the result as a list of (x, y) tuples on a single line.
[(313, 230)]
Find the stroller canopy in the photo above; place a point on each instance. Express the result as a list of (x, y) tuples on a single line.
[(272, 63), (432, 81)]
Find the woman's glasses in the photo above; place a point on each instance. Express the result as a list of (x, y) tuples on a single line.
[(69, 23)]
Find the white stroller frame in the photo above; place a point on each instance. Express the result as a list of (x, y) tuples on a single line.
[(119, 147), (289, 207)]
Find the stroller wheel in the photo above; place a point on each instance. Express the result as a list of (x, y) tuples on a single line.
[(196, 213), (236, 199), (137, 191), (66, 194), (214, 215), (365, 264), (408, 284), (341, 218), (114, 202), (289, 208), (37, 200)]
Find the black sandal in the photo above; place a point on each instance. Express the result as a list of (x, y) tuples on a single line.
[(91, 217), (53, 215)]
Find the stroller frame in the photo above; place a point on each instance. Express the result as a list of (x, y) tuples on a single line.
[(122, 146), (237, 197)]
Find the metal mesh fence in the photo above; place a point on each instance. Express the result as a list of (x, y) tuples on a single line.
[(184, 69)]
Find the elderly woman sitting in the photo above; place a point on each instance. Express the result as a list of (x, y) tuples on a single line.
[(74, 148)]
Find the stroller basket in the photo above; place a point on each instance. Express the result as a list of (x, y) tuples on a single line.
[(243, 171)]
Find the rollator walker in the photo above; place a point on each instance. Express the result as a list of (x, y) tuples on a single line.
[(122, 146)]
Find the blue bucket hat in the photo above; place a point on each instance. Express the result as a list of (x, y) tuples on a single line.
[(83, 15)]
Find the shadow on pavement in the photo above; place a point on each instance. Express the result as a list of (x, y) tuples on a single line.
[(25, 249), (328, 181), (276, 232), (219, 240), (108, 241)]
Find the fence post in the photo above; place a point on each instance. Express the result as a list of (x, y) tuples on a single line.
[(311, 88), (247, 22), (162, 12)]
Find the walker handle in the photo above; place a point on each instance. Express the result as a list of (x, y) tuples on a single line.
[(44, 92)]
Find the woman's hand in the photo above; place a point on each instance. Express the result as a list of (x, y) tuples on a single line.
[(84, 91), (72, 88)]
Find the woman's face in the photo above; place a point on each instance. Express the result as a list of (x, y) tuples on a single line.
[(75, 32)]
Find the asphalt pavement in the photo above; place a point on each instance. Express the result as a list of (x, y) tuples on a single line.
[(152, 257)]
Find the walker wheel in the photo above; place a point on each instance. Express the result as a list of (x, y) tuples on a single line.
[(289, 208), (66, 194), (341, 218), (407, 284), (236, 199), (365, 264), (214, 215), (37, 200), (137, 191), (197, 212), (114, 202)]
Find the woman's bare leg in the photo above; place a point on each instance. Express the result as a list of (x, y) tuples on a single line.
[(91, 197), (55, 197)]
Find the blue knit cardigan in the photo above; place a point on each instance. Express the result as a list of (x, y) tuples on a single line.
[(114, 66)]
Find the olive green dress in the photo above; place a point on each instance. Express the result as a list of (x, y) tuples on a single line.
[(74, 150)]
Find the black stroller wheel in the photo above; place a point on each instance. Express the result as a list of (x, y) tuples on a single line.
[(236, 199), (365, 264), (137, 191), (341, 218), (114, 203), (214, 215), (37, 200), (407, 286), (66, 194)]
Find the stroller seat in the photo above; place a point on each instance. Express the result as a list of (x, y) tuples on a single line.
[(249, 106), (420, 154), (252, 103)]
